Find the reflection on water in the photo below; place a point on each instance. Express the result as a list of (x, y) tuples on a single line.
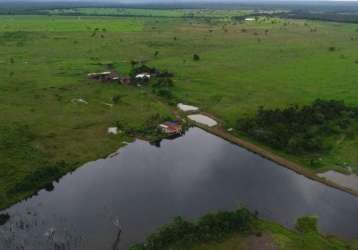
[(349, 181), (114, 202)]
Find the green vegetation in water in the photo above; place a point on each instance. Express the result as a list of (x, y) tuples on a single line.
[(4, 218), (239, 230), (307, 130)]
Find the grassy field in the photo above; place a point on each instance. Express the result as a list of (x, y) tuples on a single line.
[(44, 61)]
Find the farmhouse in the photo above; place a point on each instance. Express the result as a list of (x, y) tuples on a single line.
[(143, 76), (171, 128), (106, 76)]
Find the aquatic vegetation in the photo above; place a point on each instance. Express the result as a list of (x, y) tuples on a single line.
[(4, 218)]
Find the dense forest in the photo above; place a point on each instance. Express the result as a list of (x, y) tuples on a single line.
[(302, 130)]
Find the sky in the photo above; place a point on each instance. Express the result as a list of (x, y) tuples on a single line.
[(175, 1)]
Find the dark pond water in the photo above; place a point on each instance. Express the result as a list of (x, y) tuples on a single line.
[(145, 186)]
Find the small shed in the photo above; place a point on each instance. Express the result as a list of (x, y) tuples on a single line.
[(143, 76), (171, 128), (106, 76)]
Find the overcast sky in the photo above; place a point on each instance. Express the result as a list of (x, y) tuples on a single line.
[(178, 1)]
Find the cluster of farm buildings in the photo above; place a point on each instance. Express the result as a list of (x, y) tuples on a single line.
[(142, 75), (113, 76)]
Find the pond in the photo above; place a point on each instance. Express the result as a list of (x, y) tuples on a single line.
[(143, 186)]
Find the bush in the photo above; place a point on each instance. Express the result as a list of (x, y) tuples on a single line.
[(165, 93), (163, 83), (211, 227), (307, 224), (40, 178), (196, 57), (162, 87), (332, 48), (4, 218), (117, 99)]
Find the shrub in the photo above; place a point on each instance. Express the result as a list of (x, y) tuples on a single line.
[(306, 224), (163, 83), (332, 48), (117, 99), (162, 87), (211, 227), (40, 178), (166, 93), (4, 218), (196, 57)]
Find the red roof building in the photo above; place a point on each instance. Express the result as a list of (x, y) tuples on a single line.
[(171, 128)]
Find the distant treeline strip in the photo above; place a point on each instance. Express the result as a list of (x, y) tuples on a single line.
[(41, 12), (325, 16), (297, 14)]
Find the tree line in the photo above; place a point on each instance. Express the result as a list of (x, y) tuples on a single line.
[(302, 130)]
